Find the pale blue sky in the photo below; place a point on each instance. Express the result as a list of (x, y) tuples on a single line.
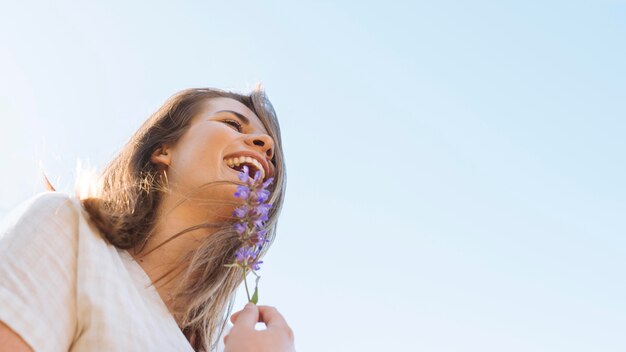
[(455, 168)]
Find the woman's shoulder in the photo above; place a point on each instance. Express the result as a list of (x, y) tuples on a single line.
[(38, 265), (57, 202), (53, 204), (41, 212)]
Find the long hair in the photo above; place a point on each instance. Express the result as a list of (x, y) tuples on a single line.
[(130, 189)]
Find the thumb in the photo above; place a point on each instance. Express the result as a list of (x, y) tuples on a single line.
[(248, 317)]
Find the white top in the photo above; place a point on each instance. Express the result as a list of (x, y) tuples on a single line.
[(63, 288)]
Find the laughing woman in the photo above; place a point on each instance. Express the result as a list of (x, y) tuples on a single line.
[(141, 264)]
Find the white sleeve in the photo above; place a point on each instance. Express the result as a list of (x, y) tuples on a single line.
[(38, 255)]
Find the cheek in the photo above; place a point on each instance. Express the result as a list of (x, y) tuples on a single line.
[(205, 147)]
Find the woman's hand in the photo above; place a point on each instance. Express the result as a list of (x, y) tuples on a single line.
[(243, 337)]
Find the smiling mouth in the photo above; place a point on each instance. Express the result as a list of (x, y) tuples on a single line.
[(253, 165)]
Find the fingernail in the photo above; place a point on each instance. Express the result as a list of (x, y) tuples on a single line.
[(249, 305)]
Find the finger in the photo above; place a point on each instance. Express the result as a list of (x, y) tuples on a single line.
[(233, 318), (248, 317), (271, 317)]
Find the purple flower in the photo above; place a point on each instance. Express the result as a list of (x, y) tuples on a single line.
[(268, 182), (243, 253), (262, 195), (259, 238), (241, 227), (259, 224), (241, 212), (250, 225), (247, 257), (243, 175), (256, 240), (262, 210), (257, 177), (242, 192)]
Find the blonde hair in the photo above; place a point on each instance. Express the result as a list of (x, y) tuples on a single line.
[(130, 189)]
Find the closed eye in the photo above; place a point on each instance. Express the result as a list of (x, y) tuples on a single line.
[(235, 124)]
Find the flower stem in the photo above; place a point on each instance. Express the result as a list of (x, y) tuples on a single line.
[(245, 282)]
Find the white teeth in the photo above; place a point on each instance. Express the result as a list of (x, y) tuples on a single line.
[(246, 159)]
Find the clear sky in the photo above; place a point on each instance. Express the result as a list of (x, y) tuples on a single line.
[(456, 169)]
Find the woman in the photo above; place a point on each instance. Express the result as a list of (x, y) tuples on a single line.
[(140, 264)]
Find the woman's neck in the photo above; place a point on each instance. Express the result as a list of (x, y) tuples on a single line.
[(170, 241)]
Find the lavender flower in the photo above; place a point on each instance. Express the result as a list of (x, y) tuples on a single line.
[(262, 195), (241, 212), (241, 227), (242, 192), (248, 257), (250, 224)]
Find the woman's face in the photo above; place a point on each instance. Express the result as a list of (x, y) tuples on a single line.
[(221, 139)]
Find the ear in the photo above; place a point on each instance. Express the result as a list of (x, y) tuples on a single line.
[(162, 156)]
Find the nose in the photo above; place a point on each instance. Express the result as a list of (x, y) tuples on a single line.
[(262, 142)]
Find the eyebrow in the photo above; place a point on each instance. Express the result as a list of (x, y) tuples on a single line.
[(240, 116)]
